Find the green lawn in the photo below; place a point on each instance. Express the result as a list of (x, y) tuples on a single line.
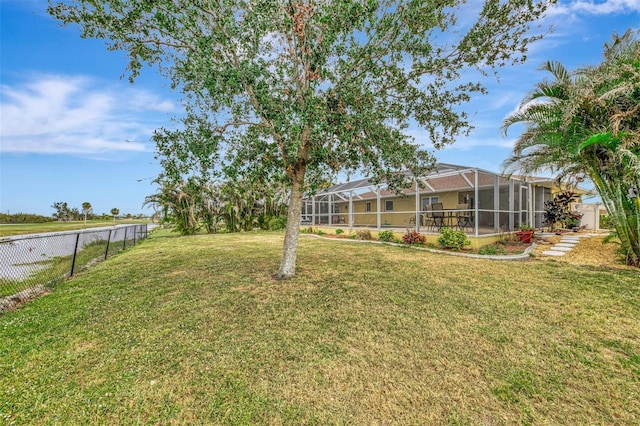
[(36, 228), (193, 330)]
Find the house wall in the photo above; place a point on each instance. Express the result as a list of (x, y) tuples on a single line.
[(404, 208)]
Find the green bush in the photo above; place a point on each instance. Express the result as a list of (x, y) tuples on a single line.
[(339, 231), (278, 223), (386, 236), (452, 239), (413, 237), (364, 234)]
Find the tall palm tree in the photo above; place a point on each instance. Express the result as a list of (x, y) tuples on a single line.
[(86, 208), (585, 125)]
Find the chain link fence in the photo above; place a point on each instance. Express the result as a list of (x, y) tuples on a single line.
[(30, 264)]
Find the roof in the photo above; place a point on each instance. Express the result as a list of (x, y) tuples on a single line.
[(444, 177), (551, 183)]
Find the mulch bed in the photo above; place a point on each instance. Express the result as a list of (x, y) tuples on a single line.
[(590, 251)]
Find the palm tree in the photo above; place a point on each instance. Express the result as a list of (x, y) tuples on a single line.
[(211, 207), (585, 125), (177, 200), (114, 212), (86, 208)]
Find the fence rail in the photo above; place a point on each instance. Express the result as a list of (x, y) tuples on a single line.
[(38, 261)]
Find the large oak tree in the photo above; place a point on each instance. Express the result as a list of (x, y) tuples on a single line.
[(305, 89)]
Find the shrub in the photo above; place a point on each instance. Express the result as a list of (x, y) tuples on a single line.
[(278, 223), (557, 210), (413, 237), (451, 239), (339, 231), (386, 236), (364, 234)]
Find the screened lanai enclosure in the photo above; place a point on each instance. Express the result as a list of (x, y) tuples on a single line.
[(467, 198)]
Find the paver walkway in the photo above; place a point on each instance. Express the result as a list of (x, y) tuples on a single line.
[(566, 244)]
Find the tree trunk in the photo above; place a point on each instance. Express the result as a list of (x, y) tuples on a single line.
[(292, 231)]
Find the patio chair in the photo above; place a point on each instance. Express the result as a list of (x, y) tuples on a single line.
[(427, 217), (438, 215), (464, 217)]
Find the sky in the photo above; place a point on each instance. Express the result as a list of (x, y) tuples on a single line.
[(73, 129)]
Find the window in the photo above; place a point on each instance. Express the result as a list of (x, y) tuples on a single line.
[(425, 203), (388, 206), (429, 200), (465, 198), (367, 207)]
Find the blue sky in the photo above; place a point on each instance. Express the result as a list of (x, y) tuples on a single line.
[(72, 129)]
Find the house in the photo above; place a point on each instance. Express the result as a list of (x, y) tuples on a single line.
[(478, 201)]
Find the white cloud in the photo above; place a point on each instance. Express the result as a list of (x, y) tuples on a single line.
[(595, 8), (56, 114)]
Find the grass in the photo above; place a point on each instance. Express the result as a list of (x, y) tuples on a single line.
[(36, 228), (365, 334)]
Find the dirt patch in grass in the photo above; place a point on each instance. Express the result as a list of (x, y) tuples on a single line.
[(503, 248), (13, 302)]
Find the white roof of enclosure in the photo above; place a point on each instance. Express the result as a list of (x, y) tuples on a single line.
[(445, 177)]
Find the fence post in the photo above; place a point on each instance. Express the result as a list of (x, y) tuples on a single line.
[(124, 241), (135, 231), (75, 251), (106, 252)]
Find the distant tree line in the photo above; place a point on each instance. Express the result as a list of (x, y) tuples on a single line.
[(24, 218), (65, 213)]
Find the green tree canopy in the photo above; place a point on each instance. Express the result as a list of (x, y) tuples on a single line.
[(301, 90)]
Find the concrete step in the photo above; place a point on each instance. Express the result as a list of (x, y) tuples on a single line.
[(570, 245), (557, 248), (553, 253)]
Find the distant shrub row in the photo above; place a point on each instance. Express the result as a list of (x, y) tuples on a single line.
[(24, 218)]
